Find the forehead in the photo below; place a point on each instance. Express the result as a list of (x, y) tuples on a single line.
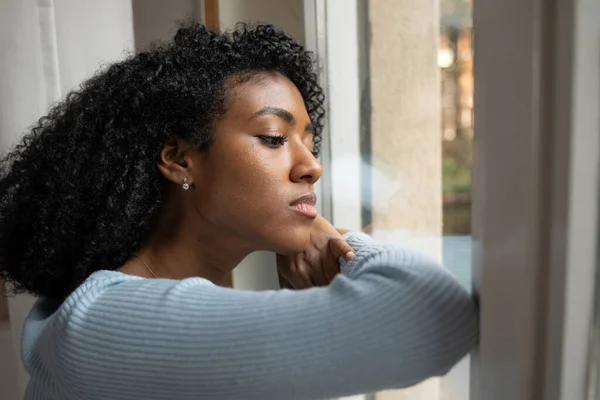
[(265, 89)]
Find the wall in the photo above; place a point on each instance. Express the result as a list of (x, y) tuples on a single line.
[(286, 14), (9, 388), (157, 20)]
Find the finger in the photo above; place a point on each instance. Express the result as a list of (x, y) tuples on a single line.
[(297, 282), (283, 282), (343, 231), (340, 248), (328, 262), (290, 273), (332, 266), (302, 273), (317, 274), (313, 257), (285, 271)]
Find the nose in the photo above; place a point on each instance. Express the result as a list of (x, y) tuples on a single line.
[(306, 167)]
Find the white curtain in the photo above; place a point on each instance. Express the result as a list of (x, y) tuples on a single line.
[(47, 47)]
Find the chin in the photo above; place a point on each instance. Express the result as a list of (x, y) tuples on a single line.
[(292, 241)]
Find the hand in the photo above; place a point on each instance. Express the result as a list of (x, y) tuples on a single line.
[(318, 264)]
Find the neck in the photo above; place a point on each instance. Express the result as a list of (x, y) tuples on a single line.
[(181, 258), (188, 247)]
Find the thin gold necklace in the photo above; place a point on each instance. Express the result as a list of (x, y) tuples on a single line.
[(146, 265)]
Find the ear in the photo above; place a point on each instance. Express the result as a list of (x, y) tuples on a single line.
[(174, 161)]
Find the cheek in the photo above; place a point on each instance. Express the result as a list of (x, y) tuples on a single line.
[(251, 182), (249, 196)]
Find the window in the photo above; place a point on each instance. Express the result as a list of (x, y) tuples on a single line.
[(400, 135)]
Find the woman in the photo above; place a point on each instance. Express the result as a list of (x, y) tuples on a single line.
[(127, 205)]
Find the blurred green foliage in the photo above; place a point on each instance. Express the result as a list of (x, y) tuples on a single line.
[(457, 163)]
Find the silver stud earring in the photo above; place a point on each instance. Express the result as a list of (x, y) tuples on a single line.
[(185, 185)]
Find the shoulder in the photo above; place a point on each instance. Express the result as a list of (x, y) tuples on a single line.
[(117, 285), (93, 288), (101, 293), (104, 304), (50, 321)]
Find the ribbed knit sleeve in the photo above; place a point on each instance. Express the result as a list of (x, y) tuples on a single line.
[(392, 318)]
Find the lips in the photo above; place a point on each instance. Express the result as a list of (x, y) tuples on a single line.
[(308, 198), (306, 205)]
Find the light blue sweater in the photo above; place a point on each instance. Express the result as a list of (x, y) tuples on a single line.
[(392, 318)]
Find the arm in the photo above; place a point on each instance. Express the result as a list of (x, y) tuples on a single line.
[(391, 318)]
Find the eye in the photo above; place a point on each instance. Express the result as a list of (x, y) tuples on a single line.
[(273, 141)]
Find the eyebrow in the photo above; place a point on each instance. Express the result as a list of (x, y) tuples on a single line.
[(284, 115), (278, 112)]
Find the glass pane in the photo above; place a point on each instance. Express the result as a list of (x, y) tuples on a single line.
[(417, 140)]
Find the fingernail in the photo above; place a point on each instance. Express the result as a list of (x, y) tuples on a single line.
[(349, 255)]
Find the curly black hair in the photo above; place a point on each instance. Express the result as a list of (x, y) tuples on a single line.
[(81, 190)]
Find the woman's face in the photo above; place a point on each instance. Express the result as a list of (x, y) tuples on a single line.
[(255, 183)]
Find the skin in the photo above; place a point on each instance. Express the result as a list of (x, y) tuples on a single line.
[(241, 194)]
